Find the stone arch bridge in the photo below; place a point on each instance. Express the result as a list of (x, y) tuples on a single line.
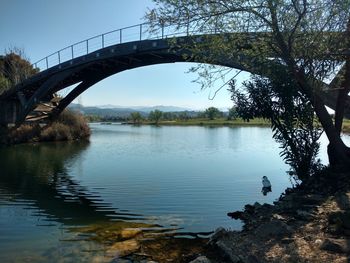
[(90, 61)]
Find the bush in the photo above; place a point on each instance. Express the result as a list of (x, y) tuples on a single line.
[(24, 133), (56, 132), (69, 126), (76, 124)]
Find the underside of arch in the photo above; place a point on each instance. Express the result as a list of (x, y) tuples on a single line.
[(92, 68)]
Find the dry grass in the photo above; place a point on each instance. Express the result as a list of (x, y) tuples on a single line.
[(69, 126), (346, 126), (24, 133)]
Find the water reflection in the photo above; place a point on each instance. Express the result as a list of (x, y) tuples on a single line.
[(39, 173), (38, 178)]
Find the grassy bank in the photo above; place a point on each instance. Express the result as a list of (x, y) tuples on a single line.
[(346, 126), (69, 126), (207, 122)]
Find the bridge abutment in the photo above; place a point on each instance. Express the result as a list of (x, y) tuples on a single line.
[(9, 112)]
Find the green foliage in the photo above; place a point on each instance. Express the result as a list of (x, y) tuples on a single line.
[(232, 114), (184, 116), (292, 119), (211, 113), (155, 116), (14, 68), (135, 117), (308, 38), (4, 83)]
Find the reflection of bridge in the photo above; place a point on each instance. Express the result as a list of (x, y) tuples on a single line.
[(50, 188), (88, 62)]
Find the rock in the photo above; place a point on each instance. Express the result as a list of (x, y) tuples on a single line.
[(341, 219), (249, 209), (252, 259), (128, 233), (274, 228), (336, 245), (343, 200), (287, 240), (227, 252), (201, 259), (120, 260), (100, 259), (236, 215), (302, 214), (124, 248), (313, 199), (307, 238), (257, 205), (318, 241), (278, 217), (218, 234)]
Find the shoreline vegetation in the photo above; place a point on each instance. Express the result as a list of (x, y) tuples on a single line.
[(202, 122), (205, 122), (68, 127)]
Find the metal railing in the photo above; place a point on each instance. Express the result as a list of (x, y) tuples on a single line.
[(138, 32)]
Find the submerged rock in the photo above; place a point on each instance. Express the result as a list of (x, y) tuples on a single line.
[(124, 248), (128, 233), (201, 259)]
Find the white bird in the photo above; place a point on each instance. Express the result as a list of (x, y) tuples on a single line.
[(266, 182)]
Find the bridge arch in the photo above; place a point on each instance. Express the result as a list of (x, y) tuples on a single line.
[(93, 67), (89, 69)]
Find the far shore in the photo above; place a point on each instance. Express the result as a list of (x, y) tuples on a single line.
[(220, 122), (199, 122)]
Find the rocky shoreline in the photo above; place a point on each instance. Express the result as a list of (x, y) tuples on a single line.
[(308, 224)]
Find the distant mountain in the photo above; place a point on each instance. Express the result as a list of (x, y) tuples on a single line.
[(144, 108), (161, 108), (111, 110)]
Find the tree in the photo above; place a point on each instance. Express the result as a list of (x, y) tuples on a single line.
[(211, 113), (184, 116), (169, 116), (292, 120), (135, 117), (310, 39), (14, 68), (155, 116), (232, 114)]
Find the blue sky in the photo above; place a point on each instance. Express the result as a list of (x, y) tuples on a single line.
[(42, 27)]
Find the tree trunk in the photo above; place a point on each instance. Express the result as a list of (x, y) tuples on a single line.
[(338, 152), (345, 87)]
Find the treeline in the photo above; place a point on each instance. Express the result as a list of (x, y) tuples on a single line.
[(156, 116)]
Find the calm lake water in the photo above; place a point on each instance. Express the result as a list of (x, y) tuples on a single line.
[(57, 198)]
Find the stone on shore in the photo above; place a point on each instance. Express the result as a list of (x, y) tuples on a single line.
[(274, 228), (336, 245), (201, 259), (124, 248)]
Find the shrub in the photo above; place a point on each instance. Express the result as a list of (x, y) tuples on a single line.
[(76, 123), (24, 133), (56, 132), (69, 126)]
